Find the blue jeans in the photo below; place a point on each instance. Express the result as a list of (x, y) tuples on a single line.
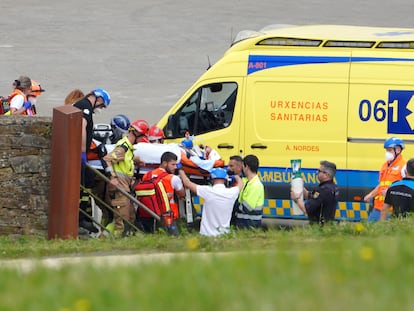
[(374, 215)]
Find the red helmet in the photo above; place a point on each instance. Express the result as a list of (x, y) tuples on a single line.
[(155, 133), (139, 126)]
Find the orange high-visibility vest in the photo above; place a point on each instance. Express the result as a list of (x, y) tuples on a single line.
[(167, 183), (388, 174), (18, 92)]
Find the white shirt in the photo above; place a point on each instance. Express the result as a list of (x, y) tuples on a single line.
[(217, 209), (17, 102), (176, 183)]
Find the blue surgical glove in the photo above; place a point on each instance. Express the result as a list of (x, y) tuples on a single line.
[(27, 105), (83, 158), (179, 166)]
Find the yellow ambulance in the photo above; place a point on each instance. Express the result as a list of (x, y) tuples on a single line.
[(315, 92)]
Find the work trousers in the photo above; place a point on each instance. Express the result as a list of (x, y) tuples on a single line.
[(123, 206), (87, 180)]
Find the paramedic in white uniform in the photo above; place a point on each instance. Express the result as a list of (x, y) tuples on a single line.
[(218, 201)]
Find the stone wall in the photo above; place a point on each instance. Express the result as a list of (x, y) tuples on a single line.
[(25, 145)]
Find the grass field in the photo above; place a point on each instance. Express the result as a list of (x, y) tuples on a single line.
[(340, 267)]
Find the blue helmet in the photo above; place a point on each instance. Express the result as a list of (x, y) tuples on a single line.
[(103, 94), (218, 173), (394, 142), (121, 122)]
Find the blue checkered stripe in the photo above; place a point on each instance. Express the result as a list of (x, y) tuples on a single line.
[(351, 211), (197, 203)]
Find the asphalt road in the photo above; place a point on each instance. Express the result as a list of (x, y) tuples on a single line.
[(147, 53)]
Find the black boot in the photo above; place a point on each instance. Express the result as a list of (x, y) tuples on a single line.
[(88, 225)]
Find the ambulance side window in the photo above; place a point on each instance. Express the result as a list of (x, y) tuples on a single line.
[(209, 108)]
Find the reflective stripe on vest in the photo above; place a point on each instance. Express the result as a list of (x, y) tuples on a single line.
[(246, 212), (168, 196), (125, 167), (251, 200), (164, 195), (388, 174)]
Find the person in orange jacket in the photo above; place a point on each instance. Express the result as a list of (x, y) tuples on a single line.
[(392, 170), (172, 184), (19, 105), (35, 92)]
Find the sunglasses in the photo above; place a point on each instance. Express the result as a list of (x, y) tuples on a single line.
[(322, 171)]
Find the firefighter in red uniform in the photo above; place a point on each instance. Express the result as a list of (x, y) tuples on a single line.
[(392, 170)]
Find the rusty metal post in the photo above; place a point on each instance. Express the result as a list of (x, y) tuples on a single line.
[(63, 216)]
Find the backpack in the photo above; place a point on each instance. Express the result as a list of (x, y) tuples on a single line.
[(152, 194), (4, 105)]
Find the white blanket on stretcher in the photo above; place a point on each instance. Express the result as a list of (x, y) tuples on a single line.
[(148, 153), (151, 154)]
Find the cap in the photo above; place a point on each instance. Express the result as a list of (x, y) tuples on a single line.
[(218, 173)]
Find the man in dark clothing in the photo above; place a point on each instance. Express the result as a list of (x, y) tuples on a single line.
[(322, 202), (93, 101), (235, 167), (400, 196)]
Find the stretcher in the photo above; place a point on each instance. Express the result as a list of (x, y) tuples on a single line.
[(196, 168), (150, 154)]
